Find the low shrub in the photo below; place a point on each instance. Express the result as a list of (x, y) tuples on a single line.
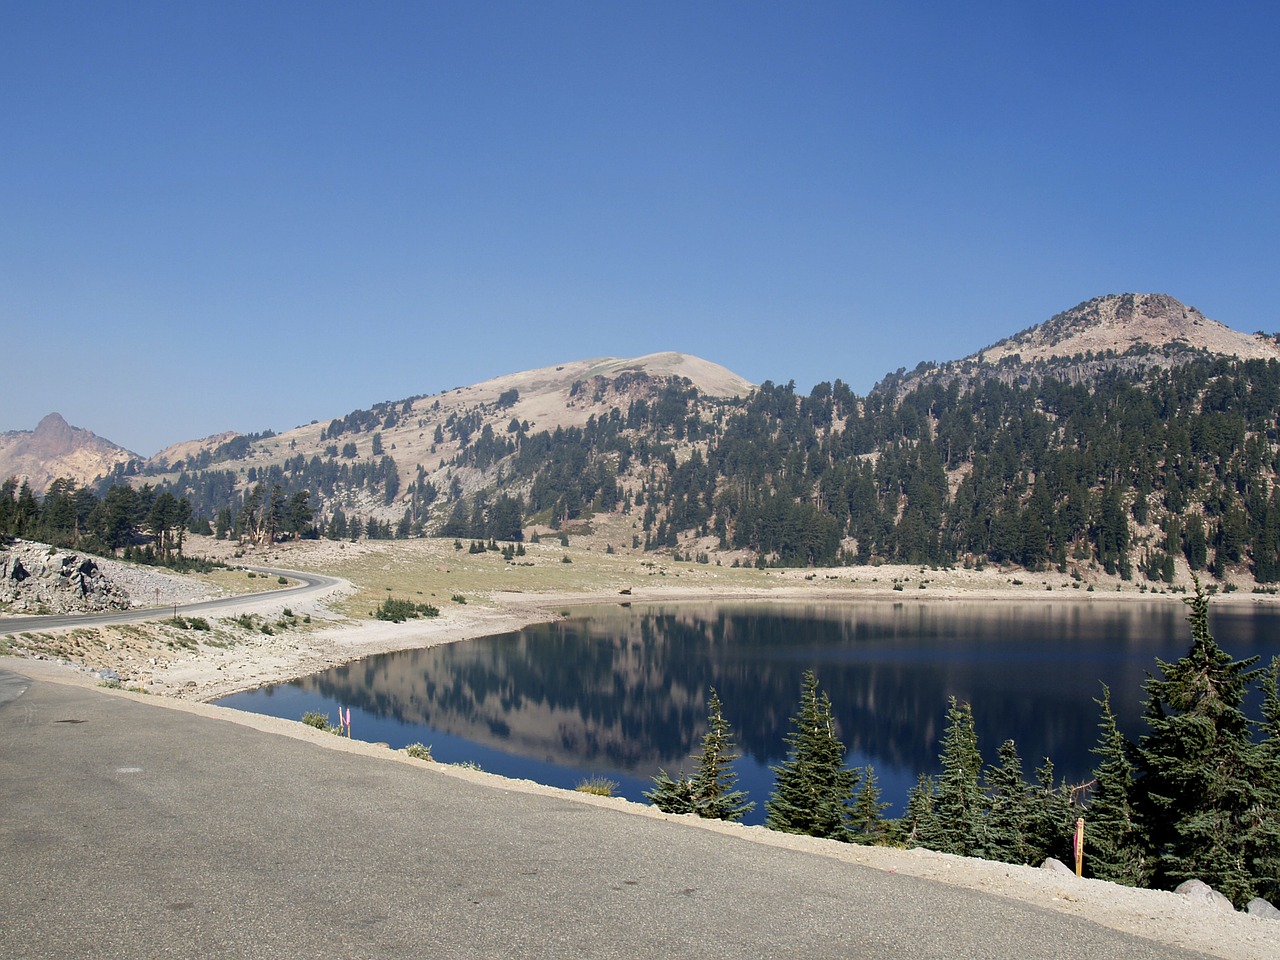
[(398, 611), (597, 786)]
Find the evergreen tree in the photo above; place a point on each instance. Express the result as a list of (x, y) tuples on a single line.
[(919, 826), (713, 793), (1264, 840), (1199, 770), (671, 795), (709, 792), (959, 803), (1009, 817), (812, 789), (1115, 849), (1052, 823), (866, 819)]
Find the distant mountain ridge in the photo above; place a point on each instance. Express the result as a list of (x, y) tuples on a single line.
[(57, 449)]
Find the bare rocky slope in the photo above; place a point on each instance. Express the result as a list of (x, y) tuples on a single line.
[(57, 449)]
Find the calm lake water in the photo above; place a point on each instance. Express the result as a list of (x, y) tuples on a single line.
[(621, 691)]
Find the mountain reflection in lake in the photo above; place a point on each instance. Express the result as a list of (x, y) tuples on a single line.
[(621, 691)]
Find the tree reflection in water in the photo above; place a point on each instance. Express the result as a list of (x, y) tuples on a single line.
[(621, 691)]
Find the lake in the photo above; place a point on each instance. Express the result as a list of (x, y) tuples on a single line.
[(620, 691)]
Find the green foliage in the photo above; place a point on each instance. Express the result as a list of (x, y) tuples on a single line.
[(920, 826), (1264, 836), (1053, 817), (710, 791), (866, 818), (190, 623), (671, 795), (1115, 843), (418, 751), (959, 801), (398, 611), (318, 720), (812, 789), (1200, 773), (1008, 818)]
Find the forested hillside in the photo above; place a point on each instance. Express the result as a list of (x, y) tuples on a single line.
[(1142, 462)]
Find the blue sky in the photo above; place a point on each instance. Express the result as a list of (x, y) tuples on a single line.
[(248, 215)]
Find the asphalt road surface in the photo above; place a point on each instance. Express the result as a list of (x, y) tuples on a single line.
[(312, 583), (130, 829)]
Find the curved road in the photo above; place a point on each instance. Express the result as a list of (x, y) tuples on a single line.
[(312, 583)]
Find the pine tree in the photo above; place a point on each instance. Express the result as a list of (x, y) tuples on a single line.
[(812, 789), (714, 797), (1264, 834), (1199, 770), (1009, 816), (919, 826), (1114, 844), (709, 792), (959, 803), (1052, 823), (671, 795), (866, 820)]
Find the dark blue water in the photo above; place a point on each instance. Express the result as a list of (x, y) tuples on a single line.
[(621, 691)]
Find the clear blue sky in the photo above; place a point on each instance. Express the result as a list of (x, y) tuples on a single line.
[(249, 215)]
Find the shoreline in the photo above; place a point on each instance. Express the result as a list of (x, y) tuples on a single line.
[(482, 595)]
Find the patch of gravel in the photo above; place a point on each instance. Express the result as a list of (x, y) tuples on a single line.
[(150, 587)]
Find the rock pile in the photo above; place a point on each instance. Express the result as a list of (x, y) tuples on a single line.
[(39, 579)]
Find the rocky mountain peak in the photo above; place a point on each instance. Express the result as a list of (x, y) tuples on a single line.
[(1122, 323), (57, 449)]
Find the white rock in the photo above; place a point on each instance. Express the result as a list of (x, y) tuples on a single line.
[(1262, 908), (1201, 892)]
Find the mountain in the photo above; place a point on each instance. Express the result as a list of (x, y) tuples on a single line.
[(57, 449), (1130, 332), (399, 457), (1130, 323), (1127, 436)]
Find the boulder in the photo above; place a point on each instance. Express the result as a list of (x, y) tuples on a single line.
[(1201, 892), (1057, 867), (1262, 908)]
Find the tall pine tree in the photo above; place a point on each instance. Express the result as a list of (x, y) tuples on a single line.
[(1264, 840), (714, 795), (1114, 844), (1199, 770), (866, 819), (1009, 817), (812, 789), (959, 805)]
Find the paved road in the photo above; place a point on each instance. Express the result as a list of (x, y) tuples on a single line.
[(312, 583), (130, 829)]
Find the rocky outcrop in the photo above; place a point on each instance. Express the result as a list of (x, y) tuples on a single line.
[(39, 579)]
